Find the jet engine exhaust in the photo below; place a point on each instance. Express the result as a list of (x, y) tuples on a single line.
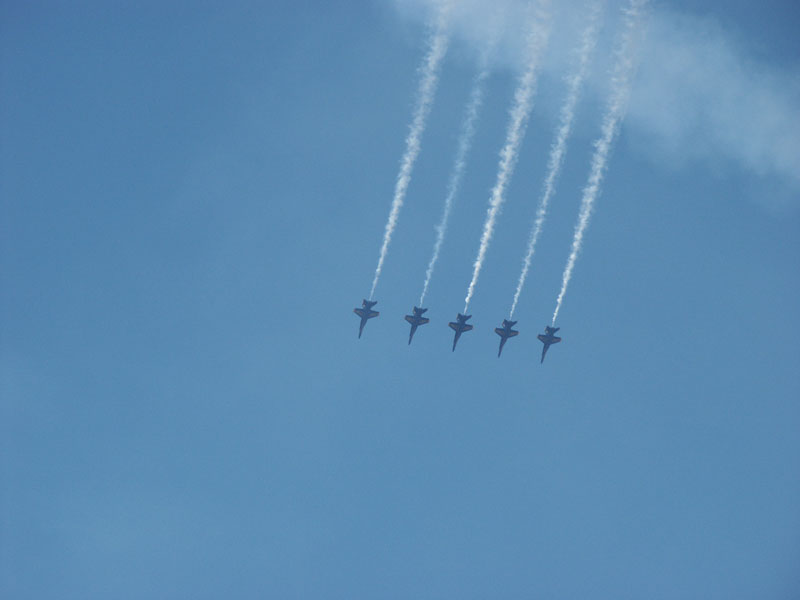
[(437, 47), (559, 148), (520, 112), (615, 111), (464, 144)]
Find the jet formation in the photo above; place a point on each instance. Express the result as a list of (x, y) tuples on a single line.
[(459, 326)]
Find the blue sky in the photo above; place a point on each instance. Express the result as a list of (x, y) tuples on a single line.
[(192, 200)]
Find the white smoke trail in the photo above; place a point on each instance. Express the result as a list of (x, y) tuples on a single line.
[(437, 48), (620, 90), (464, 144), (559, 148), (521, 109)]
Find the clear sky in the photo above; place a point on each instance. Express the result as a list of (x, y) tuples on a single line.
[(192, 200)]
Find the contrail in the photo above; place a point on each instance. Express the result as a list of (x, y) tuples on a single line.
[(559, 148), (464, 144), (521, 109), (620, 90), (437, 47)]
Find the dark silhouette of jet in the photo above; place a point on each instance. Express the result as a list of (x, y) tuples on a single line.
[(366, 313), (548, 338), (416, 320), (460, 326), (505, 332)]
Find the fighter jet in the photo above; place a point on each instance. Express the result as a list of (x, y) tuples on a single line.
[(366, 313), (548, 338), (460, 326), (505, 332), (416, 320)]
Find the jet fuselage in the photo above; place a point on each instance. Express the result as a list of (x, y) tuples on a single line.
[(416, 320), (548, 338), (505, 332), (460, 326), (366, 313)]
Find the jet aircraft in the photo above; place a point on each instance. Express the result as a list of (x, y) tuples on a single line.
[(416, 320), (505, 332), (548, 338), (366, 313), (460, 326)]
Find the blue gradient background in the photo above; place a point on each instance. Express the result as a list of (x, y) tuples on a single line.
[(192, 199)]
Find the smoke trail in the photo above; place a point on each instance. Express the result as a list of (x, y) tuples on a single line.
[(523, 102), (437, 48), (464, 144), (620, 89), (559, 148)]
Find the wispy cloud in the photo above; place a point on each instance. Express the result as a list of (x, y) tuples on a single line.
[(698, 94)]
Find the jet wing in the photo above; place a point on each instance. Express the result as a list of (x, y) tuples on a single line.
[(453, 326), (423, 321), (504, 333), (409, 318), (466, 327)]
